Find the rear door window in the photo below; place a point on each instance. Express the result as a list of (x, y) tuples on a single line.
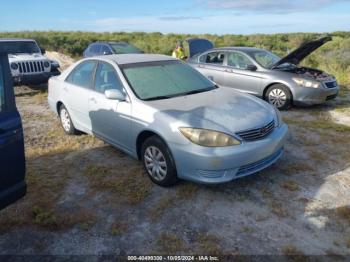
[(82, 75), (216, 58)]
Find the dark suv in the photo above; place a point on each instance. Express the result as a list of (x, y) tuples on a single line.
[(12, 161), (108, 48)]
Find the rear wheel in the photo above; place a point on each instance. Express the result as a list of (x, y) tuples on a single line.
[(158, 162), (280, 96), (66, 121)]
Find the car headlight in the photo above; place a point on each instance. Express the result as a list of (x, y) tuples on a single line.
[(14, 66), (46, 64), (54, 64), (306, 82), (278, 117), (208, 138)]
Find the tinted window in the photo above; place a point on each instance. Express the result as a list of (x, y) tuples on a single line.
[(238, 60), (125, 48), (213, 58), (160, 80), (106, 78), (22, 47), (2, 91), (82, 75), (95, 49)]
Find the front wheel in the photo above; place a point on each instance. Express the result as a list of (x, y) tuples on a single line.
[(158, 162), (279, 96)]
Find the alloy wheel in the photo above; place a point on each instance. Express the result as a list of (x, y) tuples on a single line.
[(155, 163), (277, 97), (65, 120)]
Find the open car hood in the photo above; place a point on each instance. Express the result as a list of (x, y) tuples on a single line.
[(296, 56), (198, 45)]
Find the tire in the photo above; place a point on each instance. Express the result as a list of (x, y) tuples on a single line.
[(158, 162), (66, 121), (279, 96)]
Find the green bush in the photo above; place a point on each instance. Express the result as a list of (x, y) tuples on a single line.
[(333, 57)]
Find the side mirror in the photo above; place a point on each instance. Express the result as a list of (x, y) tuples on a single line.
[(43, 51), (252, 68), (114, 94)]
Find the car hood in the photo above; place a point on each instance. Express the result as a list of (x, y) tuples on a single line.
[(198, 45), (296, 56), (222, 109), (26, 57)]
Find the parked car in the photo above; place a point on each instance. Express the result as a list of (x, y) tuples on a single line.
[(108, 48), (12, 161), (280, 81), (163, 112), (28, 64)]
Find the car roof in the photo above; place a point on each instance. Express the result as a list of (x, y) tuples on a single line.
[(16, 40), (237, 48), (123, 59)]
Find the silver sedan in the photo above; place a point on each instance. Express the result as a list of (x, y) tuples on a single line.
[(280, 81), (166, 114)]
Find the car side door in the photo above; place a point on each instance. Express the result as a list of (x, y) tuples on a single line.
[(211, 65), (12, 161), (76, 92), (241, 74), (110, 119)]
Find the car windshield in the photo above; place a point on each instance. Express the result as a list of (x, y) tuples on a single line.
[(125, 48), (23, 47), (165, 79), (264, 58)]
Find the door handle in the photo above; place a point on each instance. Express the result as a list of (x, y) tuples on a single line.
[(93, 99), (228, 70)]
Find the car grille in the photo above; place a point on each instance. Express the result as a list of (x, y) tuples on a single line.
[(31, 67), (331, 84), (258, 133)]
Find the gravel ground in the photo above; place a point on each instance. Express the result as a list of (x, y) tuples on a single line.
[(87, 198)]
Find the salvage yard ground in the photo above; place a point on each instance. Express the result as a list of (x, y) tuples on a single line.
[(86, 197)]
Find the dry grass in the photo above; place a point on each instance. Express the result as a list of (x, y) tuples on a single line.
[(320, 124), (344, 213), (171, 244), (290, 185), (119, 228), (278, 209), (208, 244), (131, 185)]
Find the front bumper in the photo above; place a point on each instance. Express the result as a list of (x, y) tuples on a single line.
[(313, 96), (34, 79), (220, 165)]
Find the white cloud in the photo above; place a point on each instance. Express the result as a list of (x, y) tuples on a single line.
[(269, 6)]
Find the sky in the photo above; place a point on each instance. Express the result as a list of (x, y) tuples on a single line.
[(177, 16)]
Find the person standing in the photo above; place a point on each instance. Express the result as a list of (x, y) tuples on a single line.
[(179, 52)]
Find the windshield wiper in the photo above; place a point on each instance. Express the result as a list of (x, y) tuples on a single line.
[(157, 98)]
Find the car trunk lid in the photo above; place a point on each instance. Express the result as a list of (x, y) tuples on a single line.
[(198, 45)]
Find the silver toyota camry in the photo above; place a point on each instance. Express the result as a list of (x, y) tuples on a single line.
[(280, 81), (168, 115)]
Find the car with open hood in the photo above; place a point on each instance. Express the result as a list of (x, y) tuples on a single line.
[(280, 81), (176, 121)]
